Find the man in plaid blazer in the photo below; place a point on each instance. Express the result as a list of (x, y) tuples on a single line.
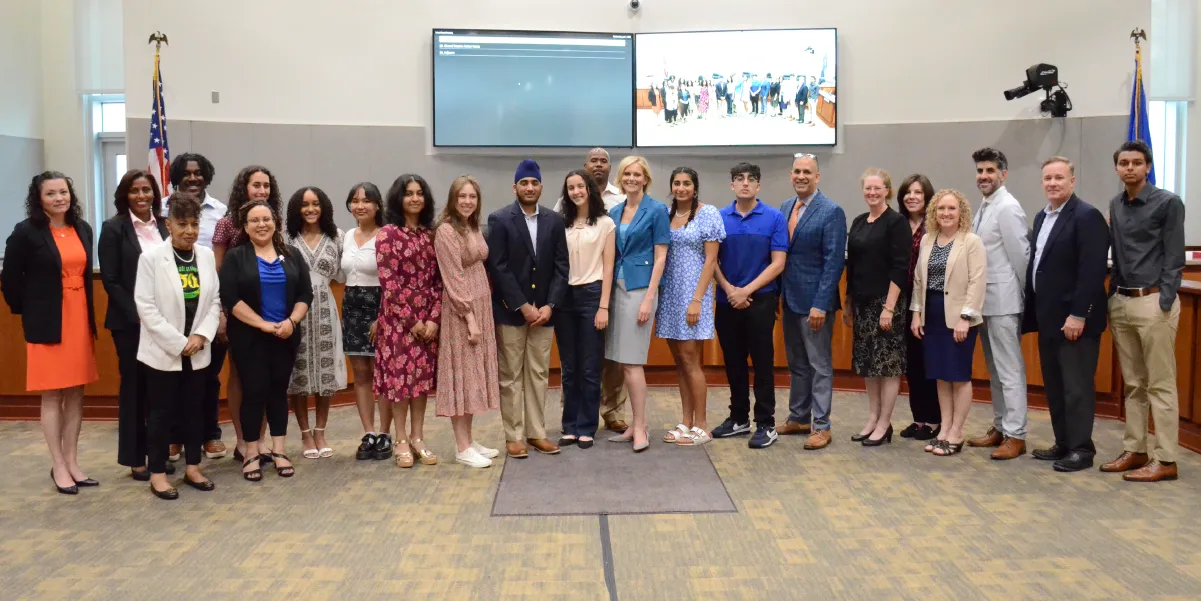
[(817, 239)]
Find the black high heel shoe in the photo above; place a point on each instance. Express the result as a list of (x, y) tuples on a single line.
[(66, 490), (875, 442), (860, 437)]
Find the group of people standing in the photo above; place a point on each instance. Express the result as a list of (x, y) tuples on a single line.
[(468, 310), (748, 93)]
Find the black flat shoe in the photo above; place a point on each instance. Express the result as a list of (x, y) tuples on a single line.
[(1073, 462), (167, 495), (927, 433), (205, 486), (66, 490), (1055, 453), (142, 476), (875, 442), (910, 430), (564, 442), (585, 444)]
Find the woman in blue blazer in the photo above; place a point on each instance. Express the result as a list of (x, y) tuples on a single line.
[(643, 234)]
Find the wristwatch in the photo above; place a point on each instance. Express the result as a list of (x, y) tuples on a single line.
[(965, 316)]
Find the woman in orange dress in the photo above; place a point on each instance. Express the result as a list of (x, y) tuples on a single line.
[(47, 280)]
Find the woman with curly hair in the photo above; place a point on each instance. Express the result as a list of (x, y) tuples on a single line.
[(47, 280), (406, 333), (252, 184), (320, 368)]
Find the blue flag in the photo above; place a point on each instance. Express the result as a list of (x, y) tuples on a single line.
[(1140, 125)]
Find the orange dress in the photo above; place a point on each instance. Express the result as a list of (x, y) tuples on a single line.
[(72, 362)]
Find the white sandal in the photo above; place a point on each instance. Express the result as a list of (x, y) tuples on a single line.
[(309, 453), (694, 437), (676, 435), (325, 452)]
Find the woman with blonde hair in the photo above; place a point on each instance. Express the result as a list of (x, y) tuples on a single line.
[(643, 234), (948, 286), (878, 248), (468, 380)]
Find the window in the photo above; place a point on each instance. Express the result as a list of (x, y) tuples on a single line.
[(106, 123), (1169, 132)]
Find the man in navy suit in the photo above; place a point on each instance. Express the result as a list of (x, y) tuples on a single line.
[(1066, 304), (527, 265), (817, 240)]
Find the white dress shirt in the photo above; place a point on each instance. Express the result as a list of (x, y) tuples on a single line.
[(211, 211), (1052, 215), (531, 223), (358, 262)]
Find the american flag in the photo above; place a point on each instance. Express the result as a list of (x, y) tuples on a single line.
[(160, 154)]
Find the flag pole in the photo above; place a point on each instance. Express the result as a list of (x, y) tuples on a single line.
[(158, 38), (1136, 35)]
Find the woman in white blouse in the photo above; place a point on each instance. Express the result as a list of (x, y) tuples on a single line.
[(360, 307)]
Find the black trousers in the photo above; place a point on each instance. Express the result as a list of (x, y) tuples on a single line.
[(174, 397), (211, 402), (265, 367), (1068, 369), (729, 104), (131, 400), (923, 392), (755, 104), (581, 348), (743, 333)]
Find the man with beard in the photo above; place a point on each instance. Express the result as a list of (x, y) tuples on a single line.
[(613, 391), (1001, 225), (193, 173), (528, 267), (1147, 226)]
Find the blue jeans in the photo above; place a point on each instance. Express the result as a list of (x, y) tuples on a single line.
[(581, 347)]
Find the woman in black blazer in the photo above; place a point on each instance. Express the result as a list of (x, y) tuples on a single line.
[(47, 280), (267, 290), (134, 229)]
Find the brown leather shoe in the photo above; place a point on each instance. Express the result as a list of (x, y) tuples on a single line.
[(544, 446), (173, 452), (992, 438), (516, 449), (1011, 448), (214, 449), (819, 439), (794, 428), (1125, 462), (617, 425), (1152, 472)]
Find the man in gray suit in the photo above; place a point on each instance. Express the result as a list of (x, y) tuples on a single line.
[(1001, 224)]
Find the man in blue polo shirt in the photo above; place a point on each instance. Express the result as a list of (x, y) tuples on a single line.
[(748, 263)]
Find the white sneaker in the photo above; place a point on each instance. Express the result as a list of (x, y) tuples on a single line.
[(483, 450), (472, 458)]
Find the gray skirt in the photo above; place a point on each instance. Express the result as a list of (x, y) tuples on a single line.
[(626, 341)]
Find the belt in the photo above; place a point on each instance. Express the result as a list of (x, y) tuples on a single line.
[(1138, 292)]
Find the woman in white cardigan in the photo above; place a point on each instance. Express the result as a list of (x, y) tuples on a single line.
[(948, 284), (178, 301)]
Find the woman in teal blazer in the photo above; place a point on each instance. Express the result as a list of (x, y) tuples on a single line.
[(643, 233)]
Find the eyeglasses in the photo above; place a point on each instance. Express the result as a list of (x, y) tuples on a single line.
[(804, 155)]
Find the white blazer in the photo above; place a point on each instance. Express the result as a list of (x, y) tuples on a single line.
[(158, 296), (1003, 229)]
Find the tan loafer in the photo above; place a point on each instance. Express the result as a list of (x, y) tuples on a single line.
[(516, 449), (544, 446)]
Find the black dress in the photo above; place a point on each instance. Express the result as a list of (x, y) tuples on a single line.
[(877, 256)]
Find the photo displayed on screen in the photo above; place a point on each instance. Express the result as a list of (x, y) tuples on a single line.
[(510, 88), (736, 88)]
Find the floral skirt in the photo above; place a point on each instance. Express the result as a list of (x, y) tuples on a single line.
[(360, 308), (876, 353)]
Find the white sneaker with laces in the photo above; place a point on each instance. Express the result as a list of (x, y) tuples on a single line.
[(472, 458), (485, 451)]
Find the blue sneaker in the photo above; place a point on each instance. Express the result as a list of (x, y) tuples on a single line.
[(730, 428), (763, 438)]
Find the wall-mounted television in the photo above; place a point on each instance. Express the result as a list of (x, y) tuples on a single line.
[(497, 88), (774, 87)]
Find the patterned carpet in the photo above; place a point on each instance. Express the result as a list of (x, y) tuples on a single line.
[(846, 522)]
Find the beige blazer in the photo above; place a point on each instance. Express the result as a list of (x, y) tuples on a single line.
[(965, 281)]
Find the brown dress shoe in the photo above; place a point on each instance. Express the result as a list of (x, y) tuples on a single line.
[(516, 449), (617, 425), (1125, 462), (1010, 448), (819, 439), (173, 452), (544, 446), (1152, 472), (214, 449), (992, 438), (794, 428)]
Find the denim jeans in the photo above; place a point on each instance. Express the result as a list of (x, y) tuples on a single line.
[(581, 347)]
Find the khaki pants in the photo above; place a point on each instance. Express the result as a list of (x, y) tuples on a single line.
[(1146, 339), (524, 370), (613, 392)]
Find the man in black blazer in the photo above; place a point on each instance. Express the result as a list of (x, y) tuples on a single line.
[(1066, 304), (528, 267)]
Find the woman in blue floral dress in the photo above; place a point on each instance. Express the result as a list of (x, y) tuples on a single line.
[(685, 316)]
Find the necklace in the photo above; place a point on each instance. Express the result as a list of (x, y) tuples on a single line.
[(181, 259)]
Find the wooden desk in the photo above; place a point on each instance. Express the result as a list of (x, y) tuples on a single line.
[(101, 396), (827, 111)]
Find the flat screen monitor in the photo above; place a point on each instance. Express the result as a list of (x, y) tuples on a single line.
[(775, 87), (532, 88)]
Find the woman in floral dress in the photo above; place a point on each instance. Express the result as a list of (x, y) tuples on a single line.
[(320, 368), (406, 333), (467, 367)]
